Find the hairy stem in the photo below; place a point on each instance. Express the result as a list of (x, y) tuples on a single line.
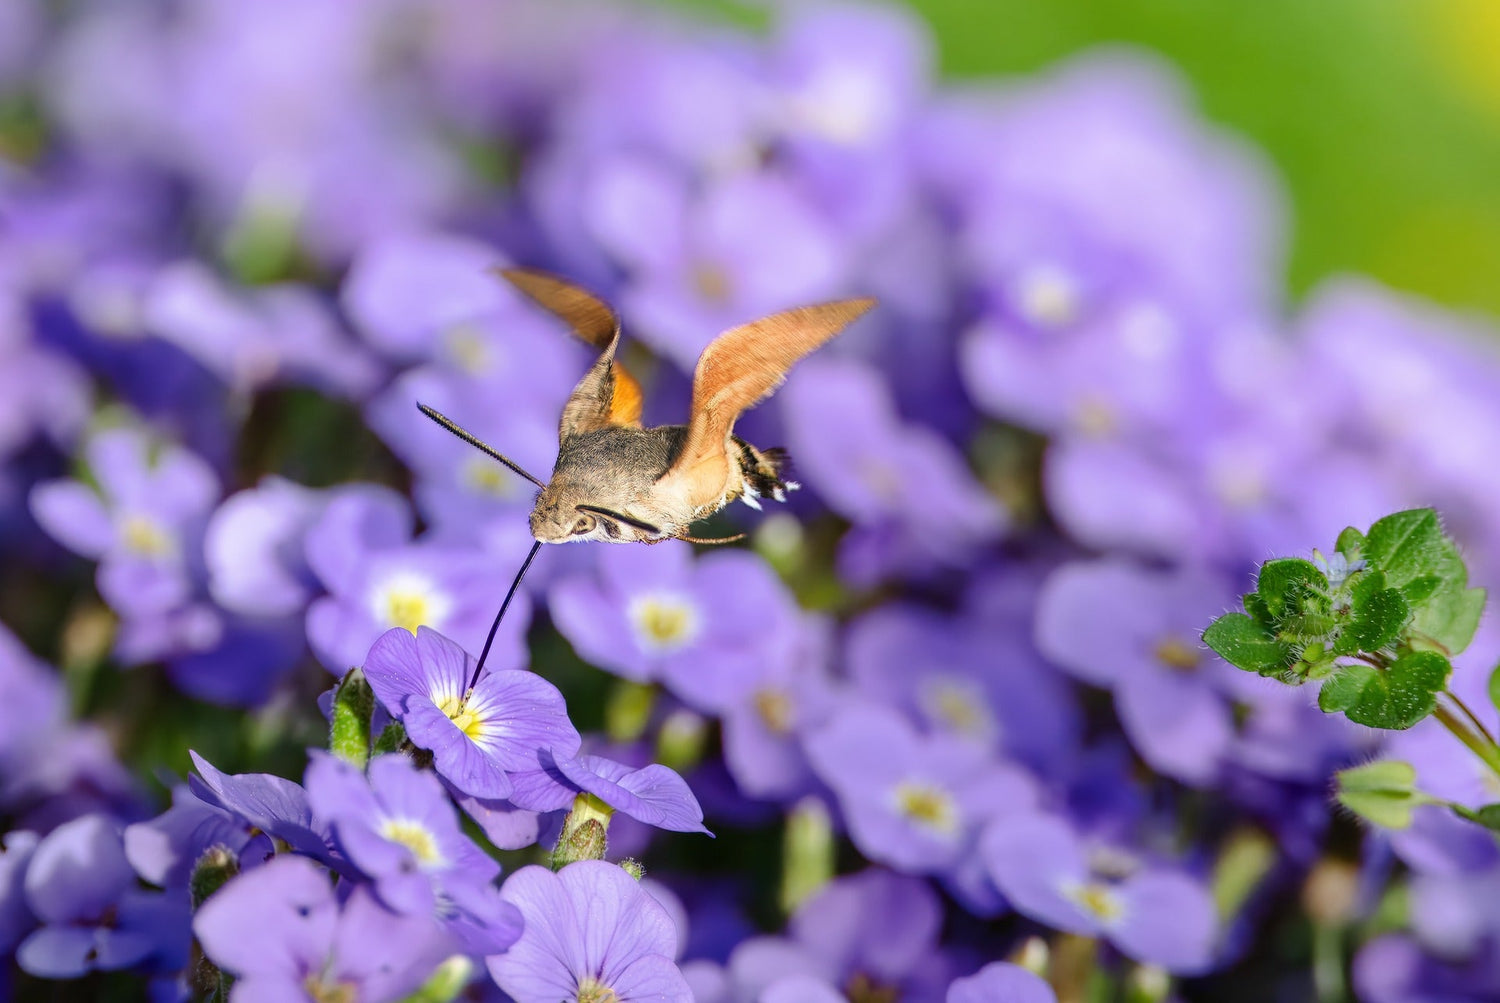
[(1487, 751)]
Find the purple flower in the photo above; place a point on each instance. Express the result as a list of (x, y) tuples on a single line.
[(16, 917), (1399, 969), (165, 849), (971, 677), (903, 482), (142, 524), (377, 580), (1152, 914), (592, 932), (1001, 982), (654, 794), (913, 802), (251, 339), (1135, 631), (476, 735), (656, 613), (280, 930), (80, 886), (265, 802), (253, 548), (397, 827)]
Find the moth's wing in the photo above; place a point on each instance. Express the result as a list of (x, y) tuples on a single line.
[(607, 394), (741, 368)]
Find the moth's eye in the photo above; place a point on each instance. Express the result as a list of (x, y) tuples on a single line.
[(583, 525)]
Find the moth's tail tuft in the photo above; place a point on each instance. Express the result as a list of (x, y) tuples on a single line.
[(765, 473)]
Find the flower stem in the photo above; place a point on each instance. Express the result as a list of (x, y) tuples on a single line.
[(1487, 751), (1473, 719)]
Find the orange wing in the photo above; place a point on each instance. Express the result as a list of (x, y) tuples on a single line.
[(741, 368), (607, 394)]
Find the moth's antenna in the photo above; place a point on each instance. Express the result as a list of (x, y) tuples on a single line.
[(617, 517), (477, 443), (488, 641)]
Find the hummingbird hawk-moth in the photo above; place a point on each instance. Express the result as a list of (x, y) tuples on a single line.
[(618, 482)]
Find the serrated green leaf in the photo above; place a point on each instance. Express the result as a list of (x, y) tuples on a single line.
[(1246, 644), (1350, 543), (1255, 606), (1382, 792), (1393, 698), (1377, 620), (1487, 816), (1285, 584), (1407, 545)]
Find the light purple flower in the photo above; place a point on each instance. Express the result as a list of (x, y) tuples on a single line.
[(16, 917), (264, 802), (971, 677), (80, 886), (253, 548), (888, 477), (165, 849), (506, 722), (1152, 914), (913, 802), (653, 794), (591, 931), (1135, 631), (282, 933), (359, 549), (1001, 982), (657, 613), (398, 828), (142, 524)]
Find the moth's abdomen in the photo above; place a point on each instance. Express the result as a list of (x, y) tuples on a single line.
[(763, 473)]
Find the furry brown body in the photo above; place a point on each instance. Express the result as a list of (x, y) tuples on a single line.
[(618, 467), (617, 482)]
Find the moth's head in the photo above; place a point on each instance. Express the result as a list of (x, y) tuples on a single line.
[(564, 514)]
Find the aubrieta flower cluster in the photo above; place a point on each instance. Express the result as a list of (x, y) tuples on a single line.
[(948, 714)]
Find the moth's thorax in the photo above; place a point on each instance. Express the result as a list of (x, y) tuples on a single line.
[(614, 468)]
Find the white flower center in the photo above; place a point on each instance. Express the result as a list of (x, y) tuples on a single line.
[(664, 621), (484, 476), (1047, 296), (416, 837), (143, 535), (927, 805), (407, 599)]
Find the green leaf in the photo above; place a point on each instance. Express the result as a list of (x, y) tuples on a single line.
[(1494, 686), (1487, 816), (1350, 543), (353, 706), (1256, 607), (1408, 545), (1284, 584), (1246, 644), (1393, 698), (1447, 620), (390, 738), (1382, 792), (1421, 588), (1377, 619)]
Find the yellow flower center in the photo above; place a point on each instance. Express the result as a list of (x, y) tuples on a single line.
[(144, 536), (928, 806), (335, 992), (664, 623), (1098, 899), (957, 706), (415, 837), (711, 282), (775, 709), (409, 600), (1175, 653), (1047, 297), (465, 720), (486, 477), (591, 990), (1094, 417), (468, 348)]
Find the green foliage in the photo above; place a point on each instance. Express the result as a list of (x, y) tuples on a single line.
[(1377, 622), (1393, 697), (353, 707), (1383, 793), (1487, 816)]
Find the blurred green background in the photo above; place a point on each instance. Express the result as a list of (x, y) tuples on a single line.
[(1383, 116)]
